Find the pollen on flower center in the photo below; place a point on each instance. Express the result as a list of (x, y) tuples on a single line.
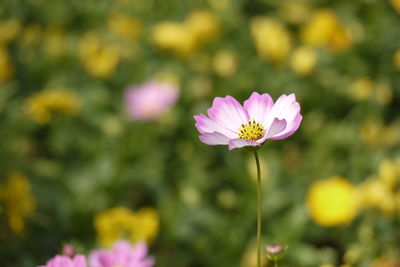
[(251, 131)]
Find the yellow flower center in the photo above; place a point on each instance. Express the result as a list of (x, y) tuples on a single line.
[(251, 131)]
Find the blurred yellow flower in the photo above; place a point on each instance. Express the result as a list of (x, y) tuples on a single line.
[(388, 173), (122, 223), (324, 29), (320, 27), (396, 5), (225, 63), (375, 134), (175, 37), (185, 38), (6, 66), (203, 24), (383, 94), (219, 4), (332, 202), (55, 42), (341, 39), (371, 132), (303, 60), (42, 106), (9, 30), (396, 60), (271, 39), (362, 89), (18, 201), (99, 59), (294, 11), (374, 193), (385, 262), (353, 255), (125, 26)]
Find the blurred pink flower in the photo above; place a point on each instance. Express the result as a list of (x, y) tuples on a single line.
[(122, 254), (259, 119), (64, 261), (150, 100)]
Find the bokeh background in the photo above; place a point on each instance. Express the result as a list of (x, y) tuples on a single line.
[(76, 167)]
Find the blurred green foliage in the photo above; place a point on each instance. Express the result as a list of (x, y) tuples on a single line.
[(81, 162)]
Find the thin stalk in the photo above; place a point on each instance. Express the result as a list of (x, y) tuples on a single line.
[(259, 216), (276, 263)]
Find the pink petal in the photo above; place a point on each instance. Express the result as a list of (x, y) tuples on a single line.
[(291, 111), (65, 261), (140, 250), (277, 126), (258, 106), (79, 261), (280, 109), (205, 125), (287, 108), (283, 103), (290, 129), (238, 143), (100, 258), (214, 138), (228, 113), (122, 245)]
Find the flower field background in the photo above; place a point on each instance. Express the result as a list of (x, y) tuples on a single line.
[(98, 140)]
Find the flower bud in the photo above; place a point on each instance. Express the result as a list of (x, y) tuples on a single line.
[(275, 251), (68, 250)]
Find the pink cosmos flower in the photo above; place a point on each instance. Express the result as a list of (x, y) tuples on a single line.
[(259, 119), (122, 254), (150, 100), (64, 261)]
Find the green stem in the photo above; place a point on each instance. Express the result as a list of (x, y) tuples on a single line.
[(259, 217), (276, 263)]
